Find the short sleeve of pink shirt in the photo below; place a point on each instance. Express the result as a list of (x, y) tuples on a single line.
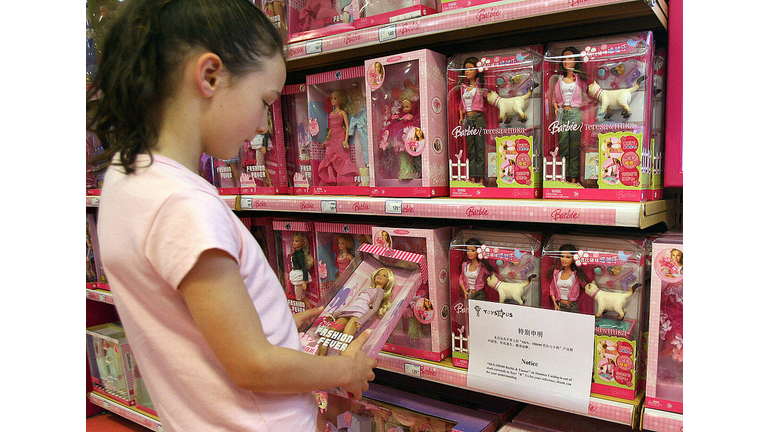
[(153, 225)]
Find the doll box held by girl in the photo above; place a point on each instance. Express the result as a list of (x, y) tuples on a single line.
[(492, 266), (337, 245), (264, 169), (372, 297), (298, 263), (424, 329), (405, 97), (494, 118), (110, 363), (375, 12), (293, 102), (597, 118), (338, 131), (664, 384)]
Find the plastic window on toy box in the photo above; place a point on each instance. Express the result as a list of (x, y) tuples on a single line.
[(263, 232), (494, 104), (375, 12), (658, 122), (109, 361), (664, 389), (298, 263), (370, 294), (337, 245), (424, 329), (226, 174), (406, 102), (309, 19), (492, 266), (338, 130), (277, 13), (297, 141), (263, 169), (596, 117)]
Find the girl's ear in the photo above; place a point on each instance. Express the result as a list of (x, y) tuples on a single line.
[(209, 71)]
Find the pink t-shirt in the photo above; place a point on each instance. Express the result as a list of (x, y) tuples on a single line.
[(153, 225)]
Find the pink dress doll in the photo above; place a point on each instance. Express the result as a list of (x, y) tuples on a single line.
[(337, 167), (346, 252), (400, 126), (317, 14)]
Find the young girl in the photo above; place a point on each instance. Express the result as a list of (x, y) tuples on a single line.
[(205, 315)]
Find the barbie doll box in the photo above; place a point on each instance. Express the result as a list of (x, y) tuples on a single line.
[(264, 170), (338, 132), (494, 118), (424, 329), (405, 99), (451, 5), (297, 262), (262, 230), (495, 266), (540, 419), (311, 19), (664, 382), (375, 12), (226, 174), (606, 277), (110, 362), (370, 294), (598, 96), (337, 245), (389, 409), (293, 102)]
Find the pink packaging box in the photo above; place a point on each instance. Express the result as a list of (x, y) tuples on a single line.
[(297, 141), (451, 5), (424, 329), (338, 132), (408, 139), (375, 12), (311, 19), (277, 13), (264, 170), (658, 122), (664, 381), (607, 279), (505, 267), (494, 118), (337, 245), (226, 174), (297, 262), (597, 118), (110, 362)]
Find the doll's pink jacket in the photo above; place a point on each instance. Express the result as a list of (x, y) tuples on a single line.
[(573, 292), (153, 226), (481, 276), (478, 101)]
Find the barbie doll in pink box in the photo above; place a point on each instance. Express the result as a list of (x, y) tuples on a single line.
[(337, 167), (474, 272), (346, 252), (301, 262), (401, 131), (373, 300), (568, 98), (566, 281)]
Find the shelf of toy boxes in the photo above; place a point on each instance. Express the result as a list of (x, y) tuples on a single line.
[(469, 23), (146, 420)]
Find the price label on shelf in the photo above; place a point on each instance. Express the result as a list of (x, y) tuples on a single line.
[(388, 33), (246, 203), (413, 370), (393, 207), (314, 46), (328, 206)]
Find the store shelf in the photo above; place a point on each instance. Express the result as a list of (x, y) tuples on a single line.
[(496, 20), (99, 295), (604, 408), (661, 421), (135, 416)]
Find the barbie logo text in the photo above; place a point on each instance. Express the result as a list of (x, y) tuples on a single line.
[(361, 206), (577, 2), (352, 38), (460, 309), (307, 205), (487, 14), (559, 214), (556, 128), (477, 211)]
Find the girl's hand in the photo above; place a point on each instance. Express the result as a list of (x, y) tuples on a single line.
[(360, 367), (305, 318)]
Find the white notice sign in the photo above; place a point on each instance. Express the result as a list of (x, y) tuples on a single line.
[(533, 355)]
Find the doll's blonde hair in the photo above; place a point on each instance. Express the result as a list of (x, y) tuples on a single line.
[(386, 302)]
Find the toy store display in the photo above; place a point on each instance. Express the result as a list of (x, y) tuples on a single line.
[(494, 266), (388, 409), (424, 329), (371, 294), (536, 419), (261, 228), (296, 250), (263, 168), (337, 245), (405, 97), (310, 19), (277, 13), (293, 102), (604, 276), (597, 116), (338, 131), (95, 278), (375, 12), (664, 382), (658, 121), (494, 117), (226, 174), (206, 170), (110, 364)]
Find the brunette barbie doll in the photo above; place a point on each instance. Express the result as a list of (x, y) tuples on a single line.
[(337, 167), (566, 281), (473, 93), (374, 300), (301, 262), (474, 272), (567, 100)]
